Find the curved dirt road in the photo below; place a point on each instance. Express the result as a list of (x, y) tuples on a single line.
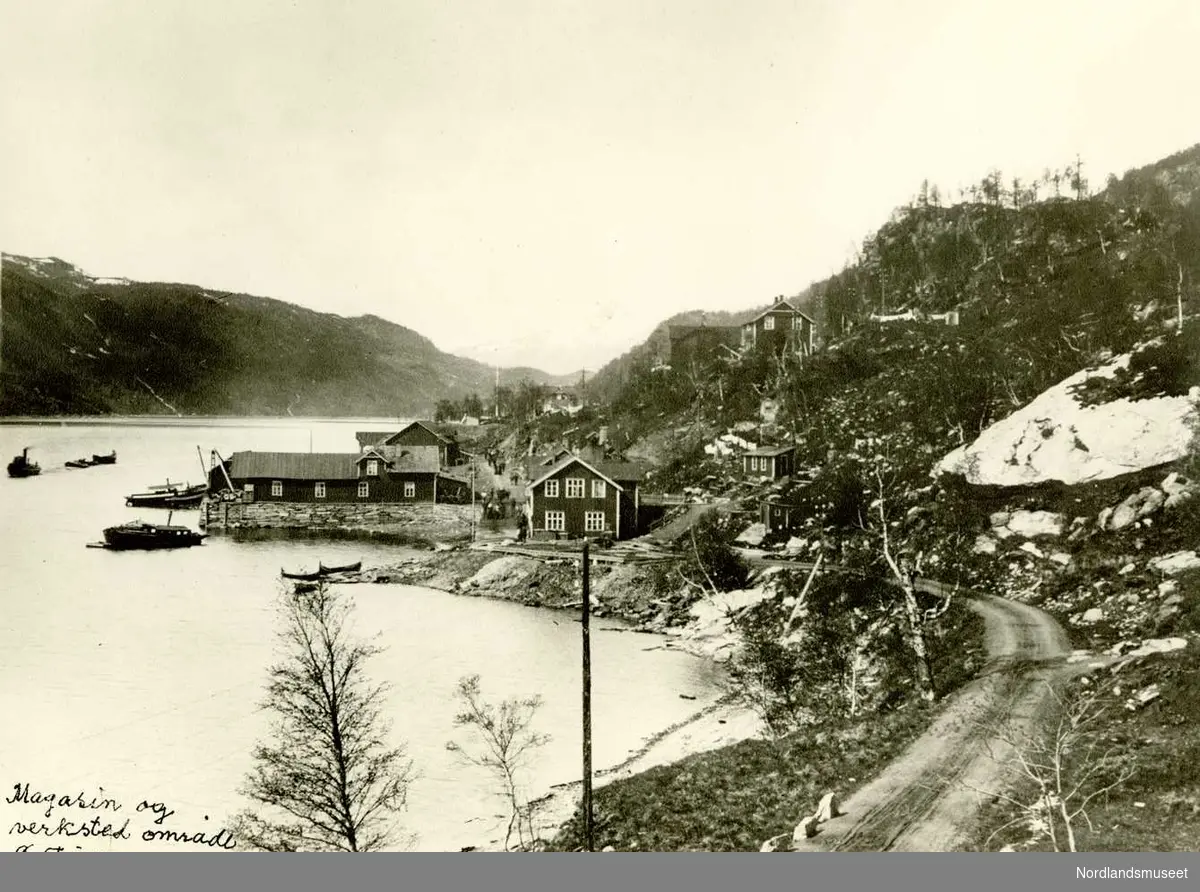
[(928, 799)]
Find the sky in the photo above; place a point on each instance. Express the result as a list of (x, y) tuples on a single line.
[(540, 184)]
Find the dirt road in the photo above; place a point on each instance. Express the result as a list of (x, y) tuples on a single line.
[(928, 799)]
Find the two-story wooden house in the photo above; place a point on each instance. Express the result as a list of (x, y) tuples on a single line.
[(781, 328), (772, 462), (573, 497), (328, 477), (417, 438)]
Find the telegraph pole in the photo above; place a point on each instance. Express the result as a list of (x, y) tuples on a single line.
[(588, 837), (472, 498)]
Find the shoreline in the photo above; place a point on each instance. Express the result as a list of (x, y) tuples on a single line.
[(721, 723)]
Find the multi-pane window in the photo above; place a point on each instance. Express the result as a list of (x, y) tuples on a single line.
[(364, 489), (248, 489), (598, 489), (552, 489), (277, 488), (319, 490), (410, 489), (556, 520), (373, 467), (769, 323), (593, 521), (574, 487), (753, 463)]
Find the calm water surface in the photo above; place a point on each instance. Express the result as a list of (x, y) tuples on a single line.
[(140, 672)]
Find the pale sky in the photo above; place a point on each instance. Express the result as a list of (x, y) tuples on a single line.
[(541, 183)]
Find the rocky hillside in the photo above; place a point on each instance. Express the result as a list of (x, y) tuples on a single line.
[(73, 344)]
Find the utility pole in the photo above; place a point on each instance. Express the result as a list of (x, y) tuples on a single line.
[(472, 498), (588, 836)]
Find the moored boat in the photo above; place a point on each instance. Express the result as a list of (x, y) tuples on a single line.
[(140, 535), (348, 568), (79, 463), (110, 459), (301, 577), (21, 466), (169, 495)]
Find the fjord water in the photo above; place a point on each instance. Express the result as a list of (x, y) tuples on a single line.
[(141, 672)]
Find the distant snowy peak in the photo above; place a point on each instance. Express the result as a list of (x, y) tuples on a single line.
[(61, 270), (1057, 437)]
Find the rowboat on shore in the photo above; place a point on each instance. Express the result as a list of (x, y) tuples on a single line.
[(348, 568), (301, 577)]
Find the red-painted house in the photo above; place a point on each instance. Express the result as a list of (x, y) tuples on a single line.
[(343, 477), (572, 498)]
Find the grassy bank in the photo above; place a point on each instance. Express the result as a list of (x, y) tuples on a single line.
[(1157, 809), (733, 799)]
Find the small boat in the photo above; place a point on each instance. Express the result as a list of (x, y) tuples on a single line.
[(348, 568), (21, 466), (168, 495), (80, 463), (110, 459), (301, 577), (140, 535)]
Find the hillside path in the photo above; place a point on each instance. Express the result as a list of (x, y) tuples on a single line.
[(929, 798)]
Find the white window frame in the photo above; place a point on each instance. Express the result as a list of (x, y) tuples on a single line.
[(575, 488), (248, 491), (754, 463), (364, 489), (372, 467), (276, 488), (599, 489), (796, 323), (590, 520), (552, 489), (319, 489), (556, 521), (410, 489), (769, 323)]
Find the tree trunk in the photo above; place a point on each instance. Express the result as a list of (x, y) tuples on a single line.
[(916, 631)]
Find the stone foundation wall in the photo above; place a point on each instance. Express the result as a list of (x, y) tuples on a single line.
[(425, 521)]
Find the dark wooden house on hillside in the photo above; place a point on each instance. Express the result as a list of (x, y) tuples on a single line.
[(572, 497), (417, 438), (781, 328), (329, 477), (772, 462)]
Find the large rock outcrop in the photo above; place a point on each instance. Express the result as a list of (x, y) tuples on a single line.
[(1055, 437)]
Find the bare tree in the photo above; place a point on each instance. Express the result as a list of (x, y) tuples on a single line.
[(505, 742), (1069, 768), (328, 780)]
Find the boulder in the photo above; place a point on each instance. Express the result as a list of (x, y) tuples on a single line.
[(829, 808), (1031, 524), (1094, 615), (1061, 558), (780, 843), (753, 534), (1176, 562), (1055, 437), (1141, 504), (1158, 646), (806, 829), (1176, 488), (984, 544), (1032, 549)]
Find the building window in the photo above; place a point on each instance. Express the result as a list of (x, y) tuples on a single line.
[(373, 467), (364, 489), (796, 323), (753, 463), (574, 487), (410, 489), (556, 521), (593, 521), (319, 490), (769, 323), (248, 492), (598, 489), (552, 489), (277, 488)]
